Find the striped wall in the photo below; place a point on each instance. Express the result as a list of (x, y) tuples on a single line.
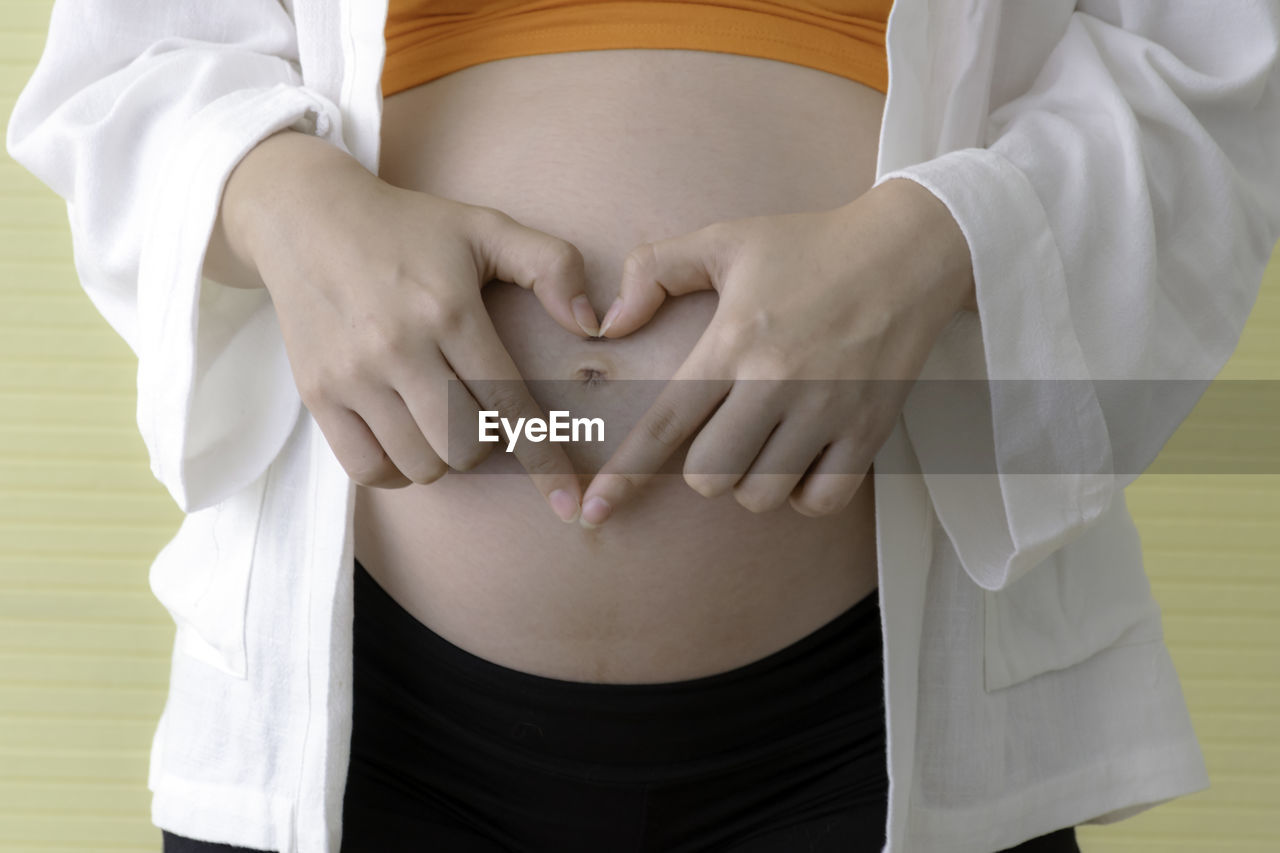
[(84, 647)]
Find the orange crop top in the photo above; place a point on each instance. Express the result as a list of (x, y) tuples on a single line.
[(427, 39)]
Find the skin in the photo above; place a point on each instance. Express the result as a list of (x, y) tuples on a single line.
[(614, 148), (890, 269), (889, 272), (373, 362)]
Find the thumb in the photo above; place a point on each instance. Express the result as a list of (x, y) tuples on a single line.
[(653, 271), (552, 268)]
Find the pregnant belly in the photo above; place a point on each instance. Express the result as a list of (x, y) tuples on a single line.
[(607, 149)]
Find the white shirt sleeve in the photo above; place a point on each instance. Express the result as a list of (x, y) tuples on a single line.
[(136, 114), (1119, 219)]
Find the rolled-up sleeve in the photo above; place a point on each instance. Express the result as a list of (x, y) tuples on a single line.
[(136, 114), (1119, 220)]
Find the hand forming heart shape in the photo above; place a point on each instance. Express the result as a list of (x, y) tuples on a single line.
[(824, 321)]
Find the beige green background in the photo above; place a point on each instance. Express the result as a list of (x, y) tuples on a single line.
[(84, 647)]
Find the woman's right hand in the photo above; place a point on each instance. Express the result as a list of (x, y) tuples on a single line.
[(377, 291)]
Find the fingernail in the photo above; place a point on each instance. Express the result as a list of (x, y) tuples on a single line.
[(614, 310), (584, 315), (594, 512), (564, 504)]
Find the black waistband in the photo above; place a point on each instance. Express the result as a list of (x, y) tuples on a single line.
[(829, 679)]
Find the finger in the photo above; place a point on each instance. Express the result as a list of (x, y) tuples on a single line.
[(552, 268), (494, 381), (356, 448), (384, 411), (652, 271), (783, 461), (724, 449), (685, 402), (833, 481), (445, 412)]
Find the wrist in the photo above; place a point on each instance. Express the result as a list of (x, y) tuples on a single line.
[(937, 240), (265, 193)]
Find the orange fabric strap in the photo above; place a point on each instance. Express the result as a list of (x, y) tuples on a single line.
[(426, 39)]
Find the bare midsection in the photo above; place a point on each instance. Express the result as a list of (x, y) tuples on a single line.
[(608, 149)]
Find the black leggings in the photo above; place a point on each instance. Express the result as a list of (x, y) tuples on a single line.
[(453, 753)]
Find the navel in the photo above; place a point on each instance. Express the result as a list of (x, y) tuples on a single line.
[(592, 374)]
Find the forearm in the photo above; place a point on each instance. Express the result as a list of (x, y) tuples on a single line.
[(226, 264), (933, 269)]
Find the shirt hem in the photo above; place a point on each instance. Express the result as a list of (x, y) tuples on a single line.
[(1104, 792), (225, 814)]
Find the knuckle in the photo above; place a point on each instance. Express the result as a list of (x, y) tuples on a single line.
[(631, 481), (429, 472), (507, 398), (766, 360), (564, 258), (868, 426), (336, 374), (664, 427), (420, 465), (818, 504), (372, 473), (487, 219), (755, 500), (805, 507), (540, 462), (734, 338), (640, 259), (706, 485), (876, 320), (824, 396), (449, 311), (724, 239), (471, 456), (386, 341), (313, 389), (719, 232), (370, 337), (762, 320), (342, 362)]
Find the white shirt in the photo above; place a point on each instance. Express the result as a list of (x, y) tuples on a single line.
[(1109, 161)]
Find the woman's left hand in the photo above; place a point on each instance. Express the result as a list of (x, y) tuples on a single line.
[(815, 304)]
